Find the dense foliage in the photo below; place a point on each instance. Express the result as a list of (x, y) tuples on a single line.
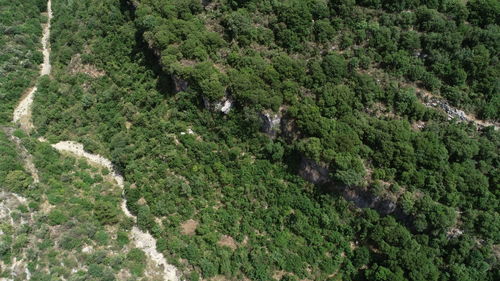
[(225, 199), (13, 177), (20, 26), (446, 46)]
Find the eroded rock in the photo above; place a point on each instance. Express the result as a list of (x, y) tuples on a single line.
[(180, 85), (313, 172), (453, 112), (363, 198), (271, 123), (224, 105), (454, 233)]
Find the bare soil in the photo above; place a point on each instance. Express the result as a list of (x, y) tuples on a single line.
[(189, 227), (227, 241)]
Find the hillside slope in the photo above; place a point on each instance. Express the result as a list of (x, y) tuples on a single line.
[(285, 140)]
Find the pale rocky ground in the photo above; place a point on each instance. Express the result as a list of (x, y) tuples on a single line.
[(22, 113), (9, 203)]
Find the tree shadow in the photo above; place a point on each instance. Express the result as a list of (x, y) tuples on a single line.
[(149, 58), (152, 61)]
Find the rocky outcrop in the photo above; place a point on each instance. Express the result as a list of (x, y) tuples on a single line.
[(454, 233), (318, 173), (453, 112), (450, 111), (288, 129), (180, 85), (363, 198), (271, 123), (313, 172), (224, 105)]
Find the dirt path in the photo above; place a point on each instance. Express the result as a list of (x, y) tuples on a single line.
[(22, 116), (22, 113), (142, 240), (46, 66)]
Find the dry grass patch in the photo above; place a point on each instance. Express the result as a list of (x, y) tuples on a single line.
[(227, 241), (189, 227)]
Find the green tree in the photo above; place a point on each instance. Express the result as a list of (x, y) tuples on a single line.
[(484, 12), (106, 212), (334, 66)]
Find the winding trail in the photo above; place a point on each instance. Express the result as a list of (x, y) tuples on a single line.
[(142, 240), (22, 113), (22, 116)]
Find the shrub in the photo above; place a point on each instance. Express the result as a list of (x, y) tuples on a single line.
[(56, 217)]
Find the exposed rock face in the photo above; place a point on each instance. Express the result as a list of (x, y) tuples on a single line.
[(451, 111), (288, 129), (313, 172), (270, 123), (365, 199), (317, 173), (180, 85), (454, 233), (224, 105)]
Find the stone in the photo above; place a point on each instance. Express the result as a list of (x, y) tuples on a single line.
[(313, 172), (180, 85), (271, 123), (224, 105)]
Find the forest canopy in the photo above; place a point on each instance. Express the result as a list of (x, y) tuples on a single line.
[(286, 140)]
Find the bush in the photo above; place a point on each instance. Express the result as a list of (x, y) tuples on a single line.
[(136, 261), (57, 217), (106, 212)]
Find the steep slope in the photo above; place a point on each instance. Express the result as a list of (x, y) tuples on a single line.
[(65, 206), (225, 200)]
